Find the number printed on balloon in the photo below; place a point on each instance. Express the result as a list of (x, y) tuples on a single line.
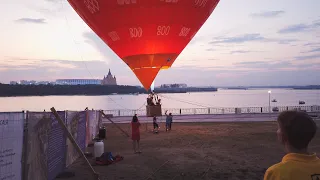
[(163, 30), (184, 31), (126, 2), (114, 36), (200, 3), (135, 32), (169, 1), (92, 5)]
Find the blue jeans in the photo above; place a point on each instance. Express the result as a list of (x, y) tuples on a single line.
[(168, 125)]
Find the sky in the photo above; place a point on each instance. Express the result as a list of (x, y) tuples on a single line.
[(257, 42)]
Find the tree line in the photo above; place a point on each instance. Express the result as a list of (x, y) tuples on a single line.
[(45, 90)]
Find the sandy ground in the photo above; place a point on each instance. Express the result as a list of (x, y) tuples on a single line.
[(242, 150)]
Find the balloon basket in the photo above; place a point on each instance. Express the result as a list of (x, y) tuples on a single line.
[(154, 110)]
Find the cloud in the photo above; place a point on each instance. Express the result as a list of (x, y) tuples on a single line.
[(250, 62), (255, 66), (264, 65), (296, 28), (316, 23), (212, 59), (29, 63), (52, 11), (312, 44), (228, 75), (283, 41), (248, 73), (94, 40), (312, 50), (255, 37), (31, 20), (16, 68), (50, 69), (308, 57), (238, 39), (274, 66), (236, 77), (54, 1), (267, 14), (51, 8), (241, 52)]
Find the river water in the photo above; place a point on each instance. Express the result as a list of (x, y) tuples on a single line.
[(221, 98)]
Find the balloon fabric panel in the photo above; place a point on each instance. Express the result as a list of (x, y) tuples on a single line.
[(148, 35)]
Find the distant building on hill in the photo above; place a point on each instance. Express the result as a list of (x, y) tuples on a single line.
[(109, 79), (43, 83), (25, 82), (173, 86), (78, 81)]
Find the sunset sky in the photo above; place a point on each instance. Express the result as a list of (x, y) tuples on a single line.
[(256, 42)]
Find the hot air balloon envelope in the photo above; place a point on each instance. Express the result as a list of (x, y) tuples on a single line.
[(148, 35)]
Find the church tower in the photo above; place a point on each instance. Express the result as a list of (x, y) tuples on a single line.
[(109, 79)]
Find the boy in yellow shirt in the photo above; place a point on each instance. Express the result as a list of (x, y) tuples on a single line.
[(295, 131)]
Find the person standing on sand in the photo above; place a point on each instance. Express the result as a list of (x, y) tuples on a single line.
[(135, 127), (168, 121), (155, 125), (295, 131)]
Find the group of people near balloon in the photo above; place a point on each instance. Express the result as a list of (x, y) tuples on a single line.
[(135, 129), (153, 99), (295, 131), (168, 122)]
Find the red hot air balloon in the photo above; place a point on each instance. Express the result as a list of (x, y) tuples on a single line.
[(148, 35)]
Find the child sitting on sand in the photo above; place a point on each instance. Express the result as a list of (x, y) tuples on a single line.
[(295, 131)]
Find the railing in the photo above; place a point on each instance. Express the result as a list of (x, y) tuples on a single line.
[(227, 110)]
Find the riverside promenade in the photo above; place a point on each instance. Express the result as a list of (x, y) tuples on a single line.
[(248, 117), (225, 114)]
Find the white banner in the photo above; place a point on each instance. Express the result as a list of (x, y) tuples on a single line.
[(76, 123), (93, 124), (11, 143)]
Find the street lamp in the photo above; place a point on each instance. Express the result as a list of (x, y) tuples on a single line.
[(269, 92)]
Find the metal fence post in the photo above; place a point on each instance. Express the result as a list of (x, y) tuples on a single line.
[(66, 144), (24, 165), (213, 110)]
